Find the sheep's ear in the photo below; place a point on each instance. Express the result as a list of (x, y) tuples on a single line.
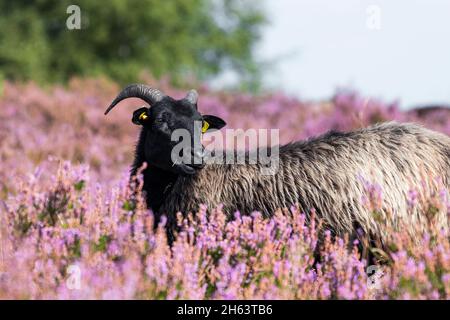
[(212, 123), (140, 116)]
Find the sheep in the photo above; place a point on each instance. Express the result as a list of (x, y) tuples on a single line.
[(424, 111), (431, 113), (328, 173)]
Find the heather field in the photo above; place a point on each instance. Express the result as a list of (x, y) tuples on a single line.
[(69, 230)]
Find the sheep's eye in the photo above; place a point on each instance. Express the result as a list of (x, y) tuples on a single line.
[(160, 122), (161, 125), (205, 126)]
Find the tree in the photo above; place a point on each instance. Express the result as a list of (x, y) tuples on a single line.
[(120, 39)]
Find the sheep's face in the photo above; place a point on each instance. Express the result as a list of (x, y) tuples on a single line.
[(172, 133), (171, 136)]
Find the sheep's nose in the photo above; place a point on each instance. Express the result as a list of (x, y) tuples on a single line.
[(197, 158)]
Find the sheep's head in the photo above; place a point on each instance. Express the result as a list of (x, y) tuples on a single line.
[(163, 121)]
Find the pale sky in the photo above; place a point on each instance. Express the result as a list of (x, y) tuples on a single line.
[(323, 45)]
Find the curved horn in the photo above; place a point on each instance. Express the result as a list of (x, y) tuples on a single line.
[(142, 91), (192, 96)]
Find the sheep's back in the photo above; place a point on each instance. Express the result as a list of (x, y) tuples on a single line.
[(359, 179)]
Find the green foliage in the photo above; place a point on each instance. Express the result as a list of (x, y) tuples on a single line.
[(121, 39), (102, 243), (79, 185), (129, 205)]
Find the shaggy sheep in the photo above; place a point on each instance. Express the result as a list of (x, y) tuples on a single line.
[(425, 111), (330, 173)]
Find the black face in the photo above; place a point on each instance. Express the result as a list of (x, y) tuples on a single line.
[(162, 123)]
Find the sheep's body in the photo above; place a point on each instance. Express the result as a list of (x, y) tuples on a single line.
[(326, 173)]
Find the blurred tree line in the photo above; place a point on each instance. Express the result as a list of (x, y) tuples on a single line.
[(123, 38)]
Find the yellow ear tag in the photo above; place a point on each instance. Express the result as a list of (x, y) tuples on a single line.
[(143, 116), (205, 126)]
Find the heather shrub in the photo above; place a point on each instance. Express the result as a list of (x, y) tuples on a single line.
[(120, 255), (71, 227)]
